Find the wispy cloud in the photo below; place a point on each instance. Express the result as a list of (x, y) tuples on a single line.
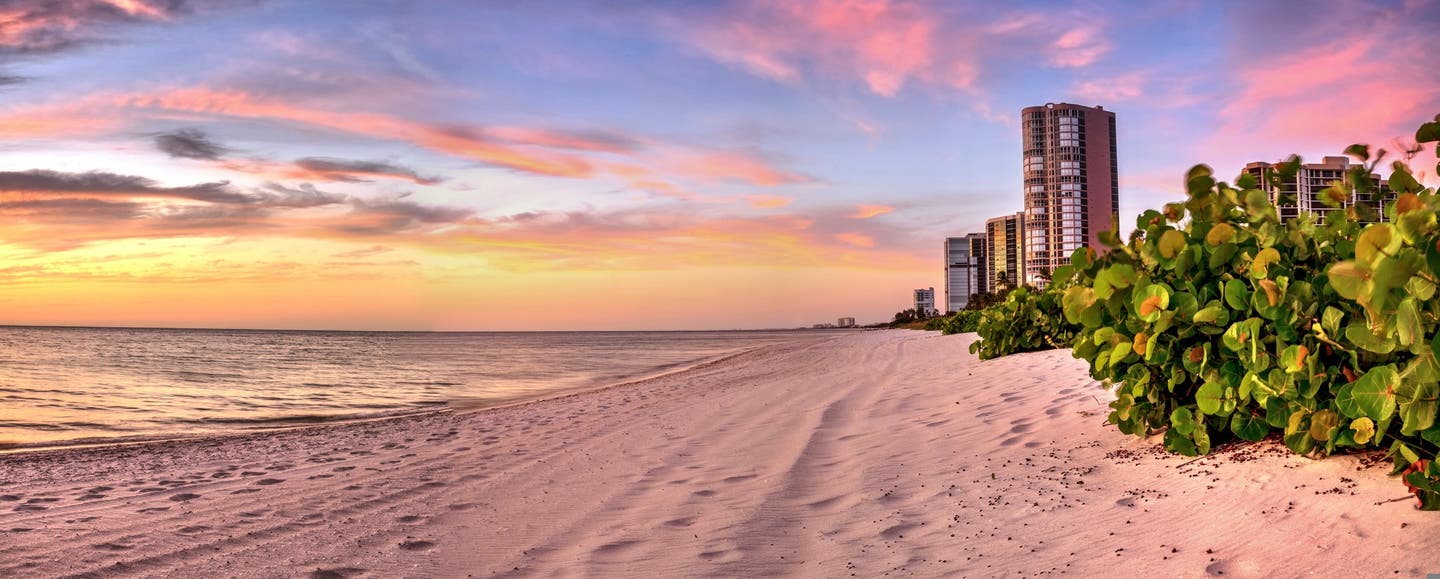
[(867, 211), (190, 144), (48, 26)]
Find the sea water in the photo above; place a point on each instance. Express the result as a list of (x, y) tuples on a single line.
[(73, 385)]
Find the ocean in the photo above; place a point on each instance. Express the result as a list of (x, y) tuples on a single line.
[(63, 386)]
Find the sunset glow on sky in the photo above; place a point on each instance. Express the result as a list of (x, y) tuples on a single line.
[(668, 165)]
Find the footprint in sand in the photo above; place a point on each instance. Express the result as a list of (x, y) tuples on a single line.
[(269, 481), (416, 545), (184, 497), (616, 548), (411, 519), (736, 479), (704, 493), (680, 523), (193, 529), (153, 510), (113, 546), (338, 573)]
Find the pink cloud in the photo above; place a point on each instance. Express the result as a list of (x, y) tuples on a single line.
[(856, 239), (890, 46), (1123, 87), (1361, 83), (868, 211), (1079, 47), (733, 166), (882, 43)]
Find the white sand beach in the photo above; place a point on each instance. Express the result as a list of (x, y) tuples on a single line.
[(887, 453)]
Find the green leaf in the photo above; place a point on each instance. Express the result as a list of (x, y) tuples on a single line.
[(1428, 132), (1330, 321), (1292, 358), (1075, 300), (1407, 322), (1364, 429), (1260, 265), (1182, 420), (1377, 240), (1210, 398), (1179, 443), (1214, 314), (1237, 296), (1418, 404), (1118, 276), (1171, 243), (1360, 334), (1151, 302), (1248, 426), (1323, 425), (1401, 182), (1349, 279), (1360, 151), (1372, 396), (1219, 234)]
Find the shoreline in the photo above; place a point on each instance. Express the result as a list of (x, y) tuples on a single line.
[(447, 407), (879, 452)]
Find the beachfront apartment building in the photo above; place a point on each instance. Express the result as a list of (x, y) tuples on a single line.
[(966, 272), (1005, 247), (925, 302), (845, 323), (1072, 184), (1303, 192)]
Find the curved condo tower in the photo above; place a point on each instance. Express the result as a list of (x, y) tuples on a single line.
[(1072, 191)]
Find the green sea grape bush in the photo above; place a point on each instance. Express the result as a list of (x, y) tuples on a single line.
[(960, 322), (1215, 320), (1028, 320)]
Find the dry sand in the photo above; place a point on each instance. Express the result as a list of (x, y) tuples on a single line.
[(879, 453)]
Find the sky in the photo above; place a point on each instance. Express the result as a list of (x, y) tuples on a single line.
[(540, 165)]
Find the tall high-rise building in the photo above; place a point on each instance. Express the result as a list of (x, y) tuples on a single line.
[(925, 301), (966, 269), (1005, 246), (1302, 194), (1072, 184)]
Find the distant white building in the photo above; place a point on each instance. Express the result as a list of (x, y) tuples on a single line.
[(846, 323), (925, 302), (1304, 192), (965, 269)]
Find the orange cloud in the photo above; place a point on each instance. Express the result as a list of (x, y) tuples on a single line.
[(868, 211), (768, 201), (459, 141), (57, 120), (734, 166), (856, 239)]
